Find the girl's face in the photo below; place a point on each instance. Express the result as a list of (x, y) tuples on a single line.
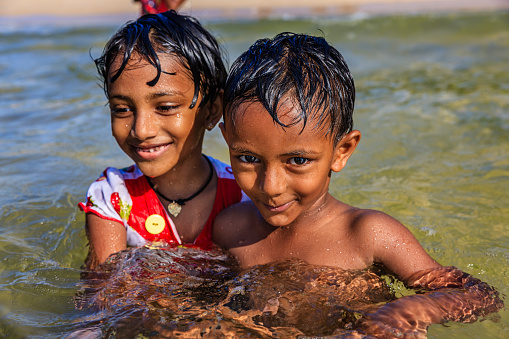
[(154, 125)]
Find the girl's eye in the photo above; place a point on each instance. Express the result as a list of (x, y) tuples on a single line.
[(120, 112), (298, 161), (248, 158), (167, 108)]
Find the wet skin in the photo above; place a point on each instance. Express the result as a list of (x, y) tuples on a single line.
[(156, 127), (286, 173)]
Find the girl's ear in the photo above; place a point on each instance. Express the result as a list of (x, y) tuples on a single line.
[(215, 111), (344, 149)]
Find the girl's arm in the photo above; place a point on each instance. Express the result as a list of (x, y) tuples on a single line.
[(105, 237)]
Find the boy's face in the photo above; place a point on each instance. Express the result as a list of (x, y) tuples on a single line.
[(154, 125), (285, 171)]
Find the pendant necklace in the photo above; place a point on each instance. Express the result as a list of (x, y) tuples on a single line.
[(175, 205)]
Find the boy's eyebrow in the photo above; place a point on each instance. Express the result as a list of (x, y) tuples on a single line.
[(239, 149), (300, 153), (294, 153)]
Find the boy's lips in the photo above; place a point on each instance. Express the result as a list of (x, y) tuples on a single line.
[(150, 152), (278, 208)]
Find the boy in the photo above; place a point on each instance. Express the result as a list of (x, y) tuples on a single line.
[(288, 124)]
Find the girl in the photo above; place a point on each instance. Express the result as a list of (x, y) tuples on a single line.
[(158, 6), (163, 76)]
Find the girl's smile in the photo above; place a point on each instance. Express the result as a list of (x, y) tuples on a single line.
[(155, 125), (150, 152)]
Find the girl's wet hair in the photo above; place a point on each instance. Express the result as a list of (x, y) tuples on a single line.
[(302, 68), (167, 33)]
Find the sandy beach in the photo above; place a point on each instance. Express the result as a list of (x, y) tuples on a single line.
[(241, 9)]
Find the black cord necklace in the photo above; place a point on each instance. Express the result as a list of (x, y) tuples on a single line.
[(175, 206)]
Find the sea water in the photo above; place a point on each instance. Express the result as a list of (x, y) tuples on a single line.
[(433, 108)]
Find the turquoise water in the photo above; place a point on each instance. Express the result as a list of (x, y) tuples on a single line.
[(432, 104)]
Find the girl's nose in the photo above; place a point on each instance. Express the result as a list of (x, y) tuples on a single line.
[(144, 126), (273, 181)]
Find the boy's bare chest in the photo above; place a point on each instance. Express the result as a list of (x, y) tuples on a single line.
[(331, 249)]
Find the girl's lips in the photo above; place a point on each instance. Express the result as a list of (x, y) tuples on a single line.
[(149, 153), (279, 208)]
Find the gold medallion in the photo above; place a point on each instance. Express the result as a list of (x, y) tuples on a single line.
[(155, 224), (174, 209)]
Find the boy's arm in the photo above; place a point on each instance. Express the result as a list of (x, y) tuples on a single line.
[(105, 237), (447, 293), (452, 295), (394, 246)]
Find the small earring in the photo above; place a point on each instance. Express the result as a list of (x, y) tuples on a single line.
[(210, 127)]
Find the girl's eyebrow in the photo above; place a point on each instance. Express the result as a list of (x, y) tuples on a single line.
[(168, 93), (118, 96), (152, 96)]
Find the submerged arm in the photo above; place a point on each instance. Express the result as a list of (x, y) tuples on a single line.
[(443, 293), (450, 295)]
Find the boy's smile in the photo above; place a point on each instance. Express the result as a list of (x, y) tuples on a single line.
[(154, 125), (284, 170)]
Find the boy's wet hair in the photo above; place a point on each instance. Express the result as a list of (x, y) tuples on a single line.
[(302, 68), (173, 34)]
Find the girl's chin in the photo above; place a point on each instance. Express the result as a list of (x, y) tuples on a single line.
[(152, 171)]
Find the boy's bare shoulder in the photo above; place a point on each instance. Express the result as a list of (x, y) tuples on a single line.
[(378, 227), (391, 243), (233, 224)]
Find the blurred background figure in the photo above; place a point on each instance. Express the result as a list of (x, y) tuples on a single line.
[(158, 6)]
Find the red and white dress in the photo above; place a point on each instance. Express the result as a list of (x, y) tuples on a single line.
[(125, 196)]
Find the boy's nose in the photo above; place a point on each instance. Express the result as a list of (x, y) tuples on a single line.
[(144, 126), (273, 181)]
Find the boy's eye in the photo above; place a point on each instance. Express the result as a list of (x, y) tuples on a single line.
[(298, 161), (248, 158)]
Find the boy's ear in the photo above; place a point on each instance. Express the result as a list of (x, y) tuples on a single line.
[(223, 131), (344, 149), (215, 111)]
